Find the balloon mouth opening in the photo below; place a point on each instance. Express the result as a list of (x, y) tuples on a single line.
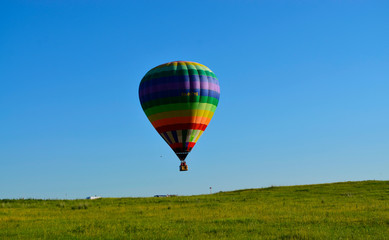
[(182, 155)]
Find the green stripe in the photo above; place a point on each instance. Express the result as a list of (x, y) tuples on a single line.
[(180, 106), (149, 76), (192, 135), (180, 66), (180, 99)]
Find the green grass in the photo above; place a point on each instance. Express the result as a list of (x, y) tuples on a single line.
[(350, 210)]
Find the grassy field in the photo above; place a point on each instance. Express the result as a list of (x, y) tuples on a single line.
[(350, 210)]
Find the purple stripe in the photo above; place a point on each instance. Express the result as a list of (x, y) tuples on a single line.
[(183, 85), (178, 93)]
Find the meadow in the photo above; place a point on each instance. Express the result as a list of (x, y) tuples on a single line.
[(349, 210)]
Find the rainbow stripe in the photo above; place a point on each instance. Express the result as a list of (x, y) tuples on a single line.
[(179, 98)]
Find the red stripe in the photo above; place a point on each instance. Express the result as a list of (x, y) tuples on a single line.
[(191, 144), (175, 127), (176, 146)]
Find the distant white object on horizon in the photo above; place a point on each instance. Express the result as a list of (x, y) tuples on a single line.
[(93, 197)]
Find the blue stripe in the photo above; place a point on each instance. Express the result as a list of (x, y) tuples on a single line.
[(178, 79), (174, 133)]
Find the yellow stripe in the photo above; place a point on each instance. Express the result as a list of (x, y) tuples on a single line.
[(209, 108), (198, 136), (180, 106), (180, 113)]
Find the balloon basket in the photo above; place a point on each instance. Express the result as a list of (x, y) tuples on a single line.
[(183, 167)]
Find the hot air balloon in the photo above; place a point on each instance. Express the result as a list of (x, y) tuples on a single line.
[(179, 98)]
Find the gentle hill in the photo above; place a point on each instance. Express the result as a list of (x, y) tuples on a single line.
[(349, 210)]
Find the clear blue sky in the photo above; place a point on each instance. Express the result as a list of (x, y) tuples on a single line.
[(304, 95)]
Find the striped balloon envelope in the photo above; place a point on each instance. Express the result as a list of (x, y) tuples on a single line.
[(179, 98)]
